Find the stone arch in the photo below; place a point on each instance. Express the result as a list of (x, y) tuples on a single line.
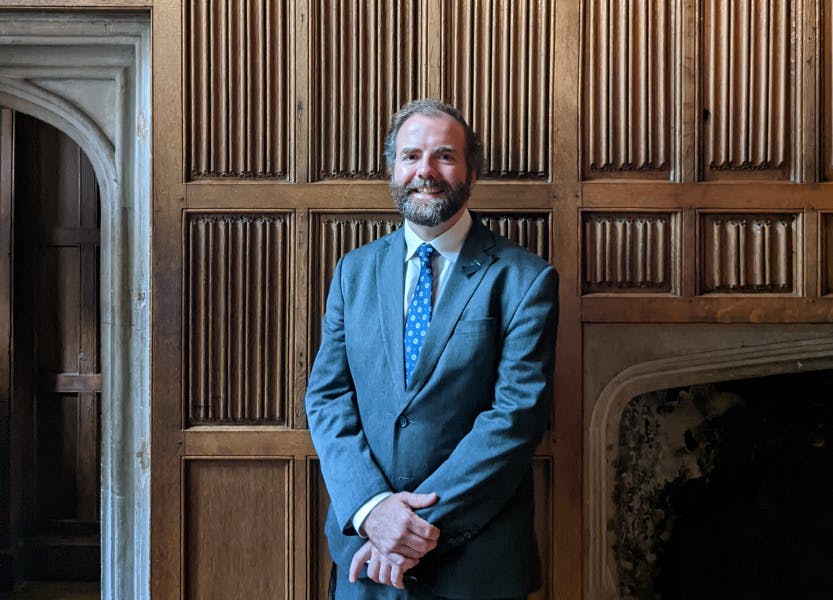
[(88, 75)]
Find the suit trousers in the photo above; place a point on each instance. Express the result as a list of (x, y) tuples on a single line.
[(365, 589)]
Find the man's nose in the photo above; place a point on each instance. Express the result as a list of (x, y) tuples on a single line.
[(425, 168)]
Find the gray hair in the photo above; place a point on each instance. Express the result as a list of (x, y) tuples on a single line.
[(474, 148)]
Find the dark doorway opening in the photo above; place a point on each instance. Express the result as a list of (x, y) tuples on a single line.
[(52, 527)]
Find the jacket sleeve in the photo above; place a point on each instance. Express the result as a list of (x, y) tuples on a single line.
[(350, 473), (485, 469)]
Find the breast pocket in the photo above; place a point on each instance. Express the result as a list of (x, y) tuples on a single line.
[(475, 327)]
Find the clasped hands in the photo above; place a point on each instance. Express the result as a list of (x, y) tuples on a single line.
[(397, 539)]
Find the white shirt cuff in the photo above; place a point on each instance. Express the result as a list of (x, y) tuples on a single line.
[(364, 510)]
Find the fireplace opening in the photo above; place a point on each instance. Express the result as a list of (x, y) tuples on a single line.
[(726, 490)]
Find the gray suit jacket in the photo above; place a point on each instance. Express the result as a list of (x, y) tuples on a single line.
[(466, 425)]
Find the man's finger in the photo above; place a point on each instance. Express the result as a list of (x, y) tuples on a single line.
[(424, 529), (419, 500), (397, 576), (359, 558)]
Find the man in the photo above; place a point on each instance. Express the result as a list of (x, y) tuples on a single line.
[(431, 388)]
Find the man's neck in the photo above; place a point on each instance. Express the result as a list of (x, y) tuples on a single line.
[(428, 233)]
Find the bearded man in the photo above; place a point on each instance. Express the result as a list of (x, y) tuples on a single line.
[(432, 386)]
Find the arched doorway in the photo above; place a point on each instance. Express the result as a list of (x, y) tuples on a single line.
[(54, 406), (88, 75)]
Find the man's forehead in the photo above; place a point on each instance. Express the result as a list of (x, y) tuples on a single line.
[(444, 126)]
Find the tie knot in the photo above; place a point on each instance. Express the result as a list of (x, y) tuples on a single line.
[(425, 251)]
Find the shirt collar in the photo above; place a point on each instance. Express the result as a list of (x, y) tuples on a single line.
[(448, 244)]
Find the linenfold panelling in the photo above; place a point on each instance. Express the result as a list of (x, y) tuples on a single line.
[(238, 272), (628, 88), (366, 65), (240, 93), (746, 89), (749, 253), (497, 65), (629, 252), (606, 123)]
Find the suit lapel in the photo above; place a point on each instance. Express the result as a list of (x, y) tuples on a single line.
[(471, 266), (390, 285)]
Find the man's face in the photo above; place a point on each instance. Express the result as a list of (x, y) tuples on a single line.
[(430, 181)]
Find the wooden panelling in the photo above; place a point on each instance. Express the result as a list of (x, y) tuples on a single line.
[(749, 253), (333, 236), (320, 563), (238, 273), (237, 533), (239, 92), (366, 57), (628, 88), (746, 89), (826, 265), (532, 231), (496, 68), (629, 252)]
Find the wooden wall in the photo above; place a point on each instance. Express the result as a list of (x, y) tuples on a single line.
[(672, 158), (272, 169), (669, 157)]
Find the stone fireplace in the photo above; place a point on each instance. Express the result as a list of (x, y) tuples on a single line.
[(699, 450)]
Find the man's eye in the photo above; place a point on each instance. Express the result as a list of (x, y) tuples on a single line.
[(410, 156)]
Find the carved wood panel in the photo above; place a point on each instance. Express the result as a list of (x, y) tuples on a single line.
[(530, 230), (629, 252), (629, 83), (237, 519), (496, 68), (747, 89), (366, 60), (239, 89), (238, 274), (749, 253)]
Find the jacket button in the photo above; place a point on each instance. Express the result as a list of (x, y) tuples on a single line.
[(467, 535), (403, 421)]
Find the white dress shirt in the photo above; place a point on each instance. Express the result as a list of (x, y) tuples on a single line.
[(448, 246)]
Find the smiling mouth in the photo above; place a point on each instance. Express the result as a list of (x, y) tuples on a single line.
[(426, 189)]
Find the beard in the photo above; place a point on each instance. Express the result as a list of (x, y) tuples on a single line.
[(429, 213)]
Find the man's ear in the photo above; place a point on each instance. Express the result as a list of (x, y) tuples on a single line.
[(472, 177)]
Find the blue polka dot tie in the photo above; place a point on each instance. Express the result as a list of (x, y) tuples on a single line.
[(419, 313)]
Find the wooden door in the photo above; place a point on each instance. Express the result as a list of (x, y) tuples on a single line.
[(55, 406)]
